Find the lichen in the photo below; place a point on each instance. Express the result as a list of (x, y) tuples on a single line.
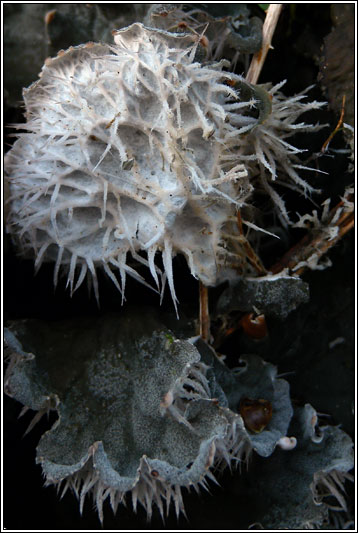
[(301, 485), (134, 152), (143, 415), (268, 155), (137, 417), (128, 149), (274, 295), (138, 149), (254, 379), (228, 32)]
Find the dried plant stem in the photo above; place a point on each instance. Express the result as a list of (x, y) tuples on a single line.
[(204, 317), (258, 60)]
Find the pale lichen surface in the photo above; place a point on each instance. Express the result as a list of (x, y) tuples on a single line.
[(128, 149)]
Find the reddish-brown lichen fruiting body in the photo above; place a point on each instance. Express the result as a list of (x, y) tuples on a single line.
[(256, 414), (254, 326)]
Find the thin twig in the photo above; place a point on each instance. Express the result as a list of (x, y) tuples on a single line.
[(204, 316), (252, 257), (337, 128), (258, 60)]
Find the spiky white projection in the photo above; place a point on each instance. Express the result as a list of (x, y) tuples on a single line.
[(266, 149), (128, 149)]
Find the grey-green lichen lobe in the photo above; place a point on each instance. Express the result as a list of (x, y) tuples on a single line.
[(143, 412), (254, 379), (273, 295), (291, 480), (111, 377), (129, 395)]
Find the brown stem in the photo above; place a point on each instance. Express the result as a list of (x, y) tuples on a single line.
[(250, 253), (337, 128), (204, 317)]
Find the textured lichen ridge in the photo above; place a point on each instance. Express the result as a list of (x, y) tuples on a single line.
[(128, 150)]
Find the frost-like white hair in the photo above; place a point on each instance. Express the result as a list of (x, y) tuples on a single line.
[(265, 150), (128, 149)]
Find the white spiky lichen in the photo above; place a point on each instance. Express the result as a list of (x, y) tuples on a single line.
[(128, 149), (328, 222), (267, 154), (324, 228)]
